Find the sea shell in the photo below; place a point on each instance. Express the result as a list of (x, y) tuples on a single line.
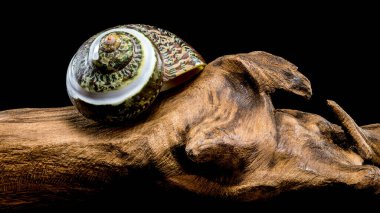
[(118, 73)]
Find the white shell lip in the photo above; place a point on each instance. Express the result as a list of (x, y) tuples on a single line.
[(118, 96)]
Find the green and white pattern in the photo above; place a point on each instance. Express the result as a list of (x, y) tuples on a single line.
[(117, 74)]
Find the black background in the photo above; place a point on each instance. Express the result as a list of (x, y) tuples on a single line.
[(335, 46)]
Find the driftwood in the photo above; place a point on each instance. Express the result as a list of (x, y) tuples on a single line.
[(217, 136)]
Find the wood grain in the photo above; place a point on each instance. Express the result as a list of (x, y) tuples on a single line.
[(217, 136)]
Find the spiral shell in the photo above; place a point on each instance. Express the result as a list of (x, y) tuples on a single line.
[(117, 74)]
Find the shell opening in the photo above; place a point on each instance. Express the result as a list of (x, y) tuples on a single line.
[(186, 76)]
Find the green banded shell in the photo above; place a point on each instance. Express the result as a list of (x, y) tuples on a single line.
[(117, 74)]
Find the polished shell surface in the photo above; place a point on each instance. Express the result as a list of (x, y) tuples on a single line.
[(117, 74)]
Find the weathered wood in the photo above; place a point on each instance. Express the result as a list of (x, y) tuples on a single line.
[(219, 136)]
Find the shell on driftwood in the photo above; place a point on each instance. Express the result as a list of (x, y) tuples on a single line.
[(219, 135)]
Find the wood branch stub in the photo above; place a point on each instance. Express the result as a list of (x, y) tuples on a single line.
[(217, 136)]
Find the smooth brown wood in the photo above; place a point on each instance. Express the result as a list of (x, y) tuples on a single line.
[(218, 136)]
